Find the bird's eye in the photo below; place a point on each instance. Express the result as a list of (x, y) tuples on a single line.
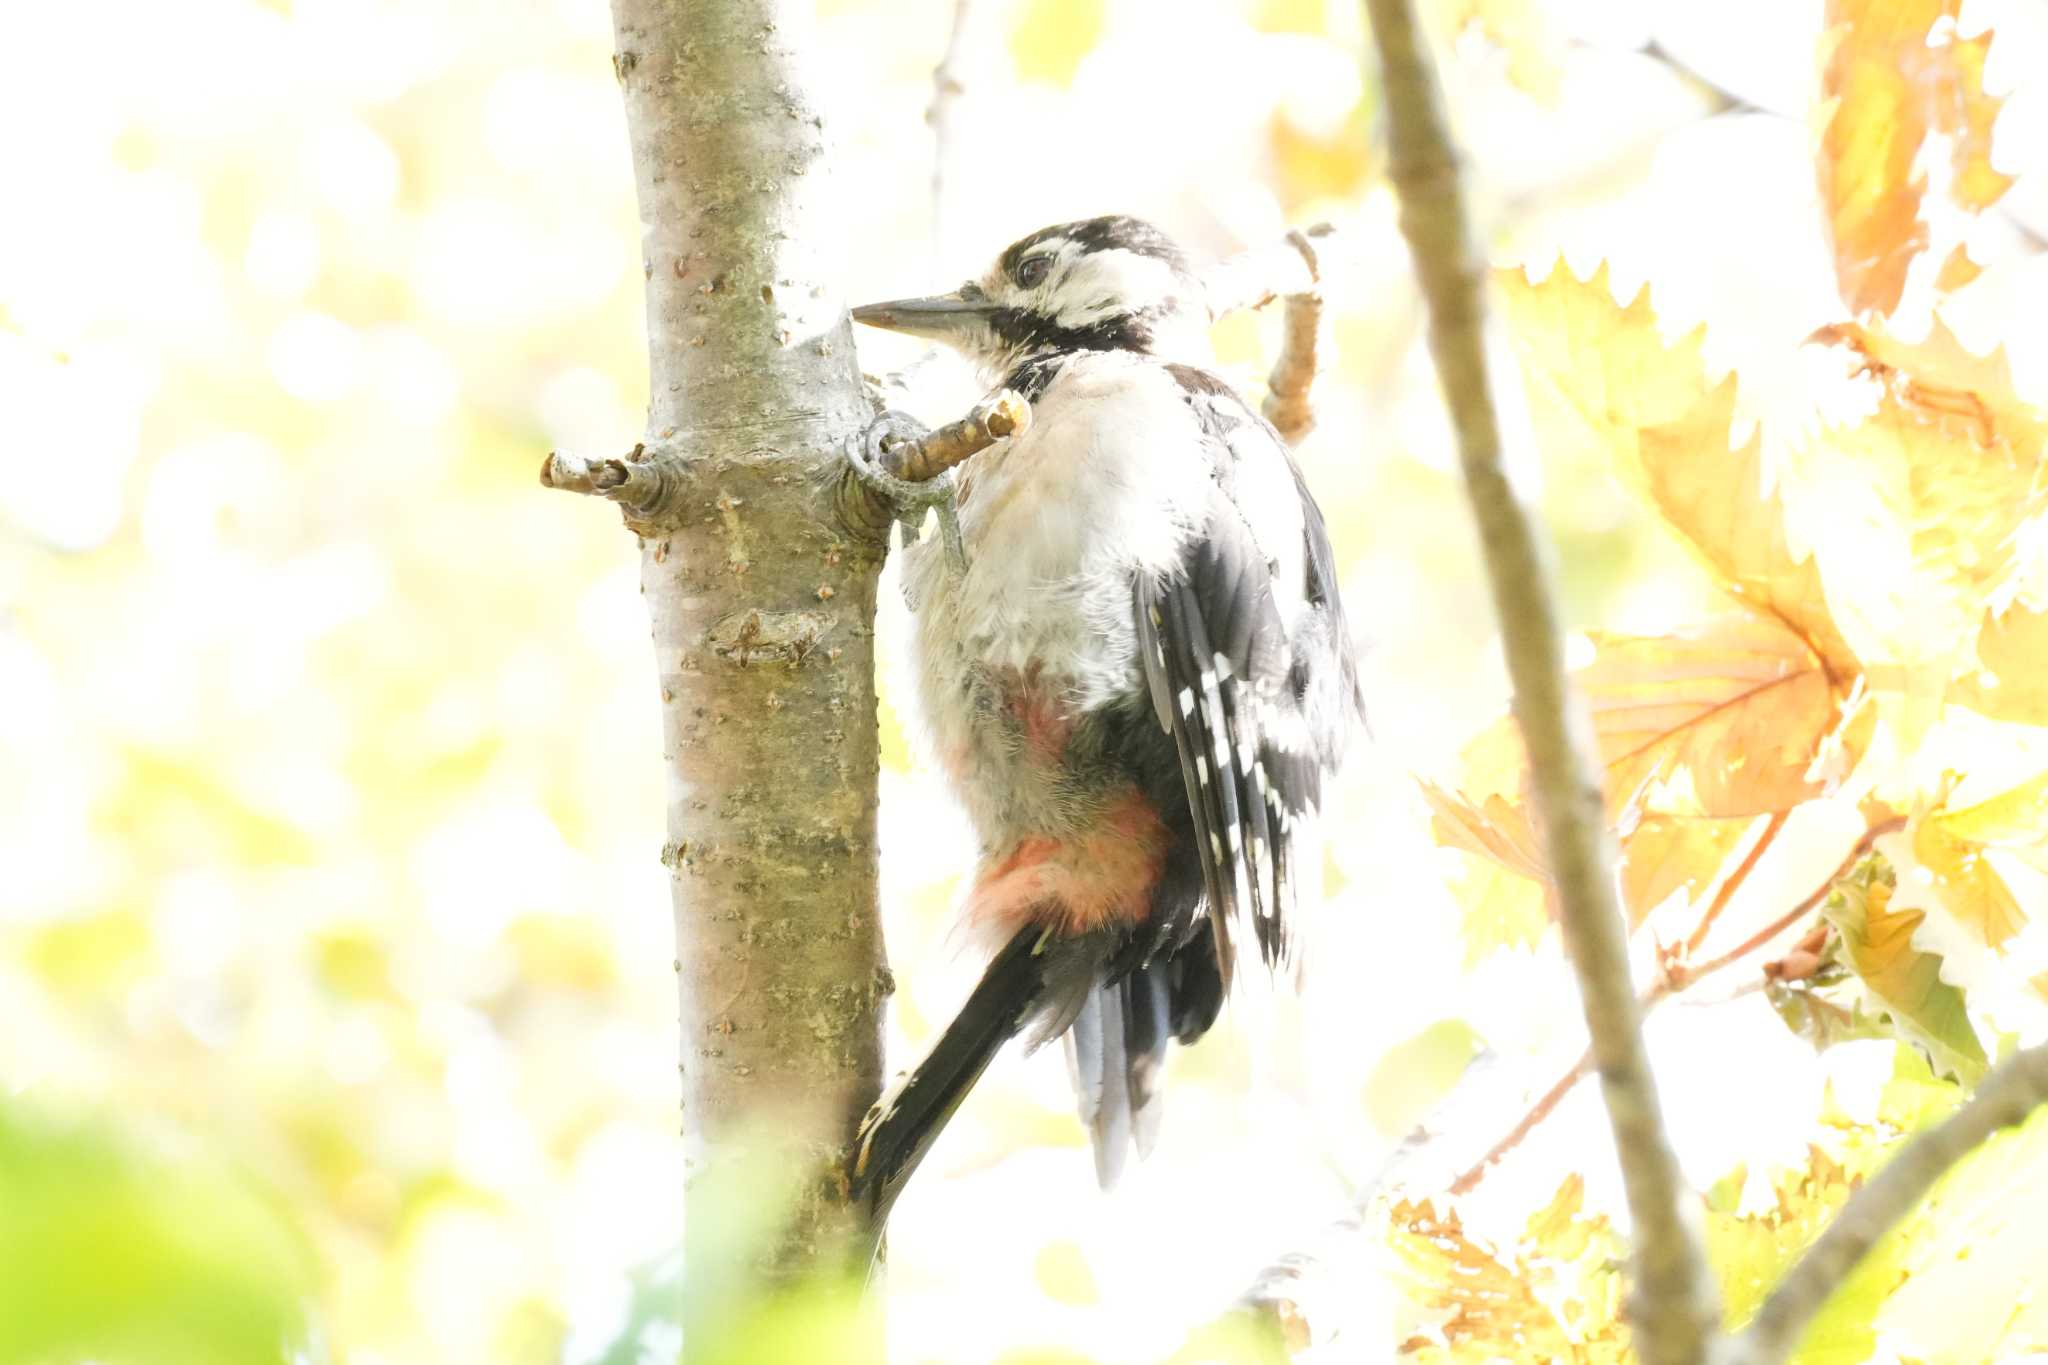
[(1031, 273)]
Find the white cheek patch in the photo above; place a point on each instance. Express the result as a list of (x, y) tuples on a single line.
[(1111, 281)]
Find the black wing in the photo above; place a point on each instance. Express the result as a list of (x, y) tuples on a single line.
[(1231, 655)]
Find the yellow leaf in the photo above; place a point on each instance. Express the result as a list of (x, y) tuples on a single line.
[(568, 953), (85, 955), (1601, 373), (2013, 652), (1749, 1252), (1883, 89), (1519, 29), (1414, 1075), (1966, 113), (1554, 1295), (1502, 910), (354, 963), (1504, 890), (1954, 455), (1061, 1269), (1951, 845), (1697, 732), (1968, 1287), (1053, 36), (1310, 165), (1598, 371), (1292, 16), (2015, 818)]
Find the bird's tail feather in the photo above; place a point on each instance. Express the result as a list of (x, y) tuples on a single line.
[(900, 1130), (1116, 1049)]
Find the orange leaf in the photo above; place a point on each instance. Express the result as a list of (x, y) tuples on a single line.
[(1712, 497), (1494, 828), (1664, 854), (1966, 114), (1937, 383), (1957, 271), (1883, 89), (1505, 891), (1740, 707)]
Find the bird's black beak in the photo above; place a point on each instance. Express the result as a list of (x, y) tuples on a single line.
[(956, 318)]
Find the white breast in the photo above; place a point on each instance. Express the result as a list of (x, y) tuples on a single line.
[(1107, 483)]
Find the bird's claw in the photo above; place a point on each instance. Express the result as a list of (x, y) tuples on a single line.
[(868, 455)]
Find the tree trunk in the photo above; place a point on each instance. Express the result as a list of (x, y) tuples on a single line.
[(762, 607)]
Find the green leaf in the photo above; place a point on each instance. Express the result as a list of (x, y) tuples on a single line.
[(1877, 944), (1822, 1013), (121, 1254), (1967, 1274), (1749, 1253), (1416, 1073)]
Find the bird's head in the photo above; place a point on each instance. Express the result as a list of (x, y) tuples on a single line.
[(1102, 284)]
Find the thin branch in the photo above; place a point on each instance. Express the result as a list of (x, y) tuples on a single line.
[(867, 509), (1538, 1112), (1679, 976), (1730, 102), (1289, 406), (1254, 278), (947, 87), (1734, 880), (1673, 1309), (2012, 1091), (1290, 269), (634, 481), (1001, 414)]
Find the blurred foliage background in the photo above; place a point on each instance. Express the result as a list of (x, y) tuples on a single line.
[(336, 1014)]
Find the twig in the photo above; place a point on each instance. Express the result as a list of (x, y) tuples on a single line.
[(1734, 880), (1679, 976), (2012, 1091), (1001, 414), (947, 88), (1730, 102), (1291, 269), (643, 483), (1288, 406), (1673, 1304), (1254, 278), (1538, 1112)]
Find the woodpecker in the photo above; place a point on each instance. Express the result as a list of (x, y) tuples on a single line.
[(1136, 687)]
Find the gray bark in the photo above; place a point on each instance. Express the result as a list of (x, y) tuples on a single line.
[(762, 607)]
